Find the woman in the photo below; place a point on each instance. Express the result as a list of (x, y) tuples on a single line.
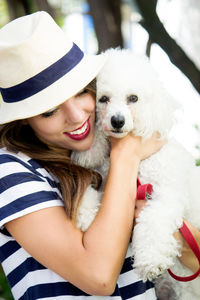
[(47, 110)]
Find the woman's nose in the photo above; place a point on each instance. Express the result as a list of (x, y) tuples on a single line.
[(73, 112)]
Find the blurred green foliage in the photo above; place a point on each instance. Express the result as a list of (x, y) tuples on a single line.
[(4, 16), (198, 162), (5, 292)]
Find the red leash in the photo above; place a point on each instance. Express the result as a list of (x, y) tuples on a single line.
[(143, 190), (186, 233), (142, 193)]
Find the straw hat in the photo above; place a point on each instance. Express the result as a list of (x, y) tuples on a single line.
[(39, 67)]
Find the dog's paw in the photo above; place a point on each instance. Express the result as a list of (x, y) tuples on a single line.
[(150, 265), (147, 272), (152, 260), (154, 248)]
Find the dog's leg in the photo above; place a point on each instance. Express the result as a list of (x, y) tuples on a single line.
[(154, 247)]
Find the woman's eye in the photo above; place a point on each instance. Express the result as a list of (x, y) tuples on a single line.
[(49, 113), (104, 99), (85, 91), (132, 98)]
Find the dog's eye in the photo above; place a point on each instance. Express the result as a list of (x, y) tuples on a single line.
[(132, 98), (104, 99)]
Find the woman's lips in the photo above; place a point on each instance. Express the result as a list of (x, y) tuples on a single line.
[(80, 133)]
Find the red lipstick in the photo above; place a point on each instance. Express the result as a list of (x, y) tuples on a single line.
[(82, 135)]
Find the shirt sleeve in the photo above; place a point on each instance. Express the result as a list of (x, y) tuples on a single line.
[(24, 189)]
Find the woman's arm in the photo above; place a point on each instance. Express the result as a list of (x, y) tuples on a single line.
[(92, 260)]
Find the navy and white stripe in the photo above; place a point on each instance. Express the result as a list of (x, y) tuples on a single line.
[(44, 79), (26, 187)]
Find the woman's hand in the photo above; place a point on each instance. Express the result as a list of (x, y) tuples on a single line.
[(152, 145), (132, 145), (187, 257), (139, 205)]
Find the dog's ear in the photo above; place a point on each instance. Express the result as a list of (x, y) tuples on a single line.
[(157, 112), (165, 118), (164, 113), (160, 107)]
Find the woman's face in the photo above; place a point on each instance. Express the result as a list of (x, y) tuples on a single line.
[(70, 125)]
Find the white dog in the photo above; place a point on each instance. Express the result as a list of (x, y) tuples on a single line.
[(130, 98)]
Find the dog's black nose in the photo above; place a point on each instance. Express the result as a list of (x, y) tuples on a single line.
[(118, 121)]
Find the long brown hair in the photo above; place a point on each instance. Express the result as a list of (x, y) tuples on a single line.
[(73, 179)]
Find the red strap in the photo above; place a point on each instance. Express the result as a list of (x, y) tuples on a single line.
[(186, 233), (142, 190)]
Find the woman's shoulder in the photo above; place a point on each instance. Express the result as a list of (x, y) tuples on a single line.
[(16, 166), (24, 186), (9, 156), (18, 161)]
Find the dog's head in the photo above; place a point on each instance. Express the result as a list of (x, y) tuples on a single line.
[(130, 97)]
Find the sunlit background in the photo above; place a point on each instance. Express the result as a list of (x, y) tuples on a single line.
[(181, 19)]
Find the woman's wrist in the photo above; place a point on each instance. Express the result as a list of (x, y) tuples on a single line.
[(125, 162), (126, 168)]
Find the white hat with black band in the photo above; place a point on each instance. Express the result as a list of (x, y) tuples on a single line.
[(39, 67)]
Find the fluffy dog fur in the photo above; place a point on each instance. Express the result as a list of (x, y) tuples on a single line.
[(130, 98)]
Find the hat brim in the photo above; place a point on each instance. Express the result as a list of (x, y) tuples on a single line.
[(55, 94)]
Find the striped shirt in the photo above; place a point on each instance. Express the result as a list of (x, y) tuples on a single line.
[(26, 187)]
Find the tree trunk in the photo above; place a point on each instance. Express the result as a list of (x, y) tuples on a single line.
[(44, 5), (159, 35), (15, 9), (107, 22), (18, 8)]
